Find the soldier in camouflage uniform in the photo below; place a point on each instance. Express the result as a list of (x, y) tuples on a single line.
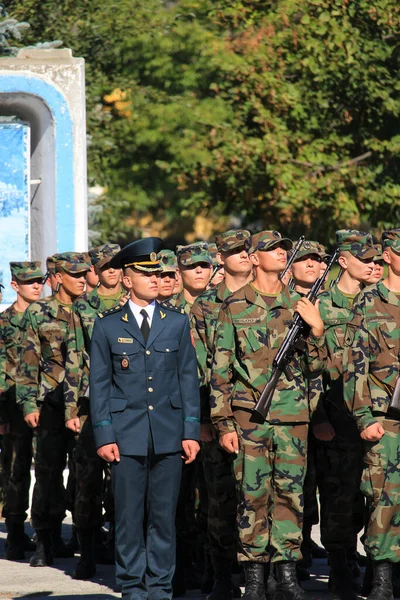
[(169, 266), (39, 386), (92, 278), (379, 267), (89, 467), (339, 449), (195, 267), (371, 370), (217, 464), (218, 272), (50, 276), (271, 458), (306, 269), (27, 282)]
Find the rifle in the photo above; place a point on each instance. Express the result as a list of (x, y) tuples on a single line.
[(294, 340), (292, 257), (46, 276), (337, 278)]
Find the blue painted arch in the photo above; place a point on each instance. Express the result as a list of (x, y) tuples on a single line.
[(12, 83)]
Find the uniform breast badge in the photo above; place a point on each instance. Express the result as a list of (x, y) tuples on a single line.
[(124, 363)]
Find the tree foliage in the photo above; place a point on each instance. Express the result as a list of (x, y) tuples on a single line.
[(277, 114)]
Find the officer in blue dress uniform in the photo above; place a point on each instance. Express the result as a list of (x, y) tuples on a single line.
[(145, 407)]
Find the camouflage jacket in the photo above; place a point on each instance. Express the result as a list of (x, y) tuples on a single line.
[(10, 340), (371, 359), (203, 322), (336, 312), (248, 337), (41, 369), (178, 301), (77, 365)]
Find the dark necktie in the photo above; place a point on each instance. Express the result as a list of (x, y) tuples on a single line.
[(145, 328)]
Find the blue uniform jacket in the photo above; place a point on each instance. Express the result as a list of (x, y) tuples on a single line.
[(138, 388)]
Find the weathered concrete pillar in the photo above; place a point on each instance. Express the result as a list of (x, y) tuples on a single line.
[(45, 89)]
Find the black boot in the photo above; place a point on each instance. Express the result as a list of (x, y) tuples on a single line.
[(342, 582), (60, 549), (222, 588), (15, 543), (287, 586), (269, 581), (254, 577), (86, 566), (72, 544), (382, 581), (43, 556)]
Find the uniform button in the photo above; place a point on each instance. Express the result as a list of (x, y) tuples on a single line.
[(150, 378), (166, 349), (150, 390), (150, 407), (148, 352)]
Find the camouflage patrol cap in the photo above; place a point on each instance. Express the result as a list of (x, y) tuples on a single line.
[(213, 251), (229, 240), (167, 260), (72, 262), (378, 256), (309, 247), (101, 255), (25, 271), (266, 240), (391, 239), (359, 243), (51, 264), (193, 254)]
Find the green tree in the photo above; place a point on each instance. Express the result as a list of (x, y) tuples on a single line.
[(280, 114)]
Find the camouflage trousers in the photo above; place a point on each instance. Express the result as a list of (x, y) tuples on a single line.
[(16, 464), (381, 486), (89, 469), (270, 471), (53, 440), (339, 466), (221, 501)]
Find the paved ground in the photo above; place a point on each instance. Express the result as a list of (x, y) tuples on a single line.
[(19, 580)]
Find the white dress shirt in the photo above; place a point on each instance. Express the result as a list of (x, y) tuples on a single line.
[(135, 308)]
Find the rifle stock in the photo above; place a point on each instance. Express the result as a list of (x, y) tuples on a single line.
[(298, 332)]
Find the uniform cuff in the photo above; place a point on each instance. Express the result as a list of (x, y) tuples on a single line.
[(30, 407), (226, 426), (71, 412), (316, 340)]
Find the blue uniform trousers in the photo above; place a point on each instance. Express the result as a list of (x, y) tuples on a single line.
[(146, 492)]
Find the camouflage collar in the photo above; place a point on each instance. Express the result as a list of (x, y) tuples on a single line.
[(13, 315), (222, 291), (93, 299), (178, 300), (283, 299), (54, 309), (387, 295), (338, 298)]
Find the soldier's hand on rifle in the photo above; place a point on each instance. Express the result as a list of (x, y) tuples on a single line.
[(32, 419), (373, 433), (324, 431), (310, 313), (230, 442)]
